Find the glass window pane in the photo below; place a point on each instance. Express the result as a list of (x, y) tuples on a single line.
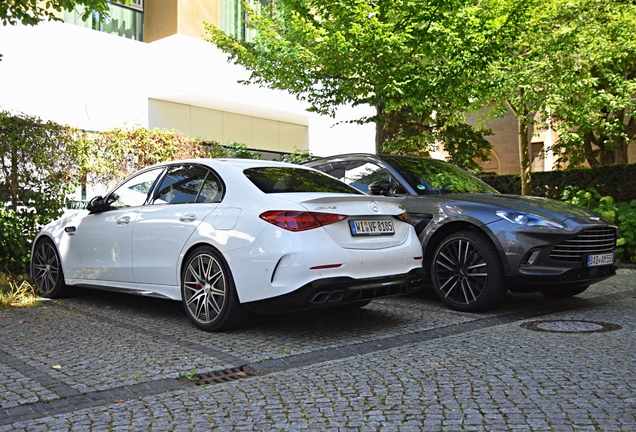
[(212, 190), (121, 21), (283, 179), (361, 174), (181, 185), (124, 22), (74, 17), (233, 18), (134, 191)]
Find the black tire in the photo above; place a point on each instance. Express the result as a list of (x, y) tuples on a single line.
[(564, 292), (46, 270), (467, 272), (208, 293)]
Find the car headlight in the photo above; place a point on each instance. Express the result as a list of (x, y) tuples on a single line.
[(528, 219)]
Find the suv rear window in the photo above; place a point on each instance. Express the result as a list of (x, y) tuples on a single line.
[(289, 179)]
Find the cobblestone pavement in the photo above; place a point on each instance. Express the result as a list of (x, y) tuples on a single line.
[(109, 362)]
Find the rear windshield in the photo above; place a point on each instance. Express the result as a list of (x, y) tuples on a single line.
[(290, 179)]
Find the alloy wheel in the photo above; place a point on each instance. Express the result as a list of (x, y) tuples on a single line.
[(46, 269), (205, 288), (461, 272)]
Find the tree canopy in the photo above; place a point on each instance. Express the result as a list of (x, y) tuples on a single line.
[(405, 58), (594, 104), (31, 12)]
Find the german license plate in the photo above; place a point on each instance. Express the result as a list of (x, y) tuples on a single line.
[(372, 227), (600, 259)]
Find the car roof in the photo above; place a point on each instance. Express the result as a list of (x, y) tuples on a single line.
[(239, 163), (344, 156)]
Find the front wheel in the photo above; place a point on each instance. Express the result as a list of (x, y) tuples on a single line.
[(46, 270), (208, 293), (467, 272)]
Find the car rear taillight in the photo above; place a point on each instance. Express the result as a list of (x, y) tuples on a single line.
[(299, 220), (403, 217)]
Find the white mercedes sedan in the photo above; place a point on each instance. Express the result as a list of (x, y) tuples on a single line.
[(232, 236)]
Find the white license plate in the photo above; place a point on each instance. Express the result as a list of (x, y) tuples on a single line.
[(600, 259), (372, 227)]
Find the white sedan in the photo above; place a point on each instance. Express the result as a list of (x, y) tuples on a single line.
[(227, 237)]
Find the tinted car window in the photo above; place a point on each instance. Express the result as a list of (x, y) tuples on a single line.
[(432, 176), (134, 191), (360, 174), (288, 179), (181, 184), (212, 190)]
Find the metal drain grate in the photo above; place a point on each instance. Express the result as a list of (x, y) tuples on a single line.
[(570, 326), (223, 376)]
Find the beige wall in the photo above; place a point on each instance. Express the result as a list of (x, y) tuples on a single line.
[(222, 126), (505, 152), (505, 157), (163, 18)]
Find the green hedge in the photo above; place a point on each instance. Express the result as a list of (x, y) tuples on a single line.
[(617, 181)]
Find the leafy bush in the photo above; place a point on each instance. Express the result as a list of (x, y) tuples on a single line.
[(36, 175), (617, 181), (40, 162), (108, 157), (298, 157), (622, 214)]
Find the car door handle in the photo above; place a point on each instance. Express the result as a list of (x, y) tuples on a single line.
[(188, 218), (123, 220)]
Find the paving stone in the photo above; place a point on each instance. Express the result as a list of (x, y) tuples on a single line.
[(498, 376)]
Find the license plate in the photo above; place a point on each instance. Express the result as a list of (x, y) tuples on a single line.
[(600, 259), (372, 227)]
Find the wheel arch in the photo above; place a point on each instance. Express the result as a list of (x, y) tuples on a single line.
[(431, 243), (187, 252)]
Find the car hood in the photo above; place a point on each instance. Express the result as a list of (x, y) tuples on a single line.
[(553, 209)]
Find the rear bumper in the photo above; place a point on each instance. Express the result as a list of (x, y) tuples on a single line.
[(338, 291)]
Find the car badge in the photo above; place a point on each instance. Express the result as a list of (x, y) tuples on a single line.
[(374, 206), (595, 218)]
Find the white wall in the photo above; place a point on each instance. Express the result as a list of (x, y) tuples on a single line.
[(97, 81)]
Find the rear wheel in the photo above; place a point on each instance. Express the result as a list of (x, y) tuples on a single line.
[(467, 272), (208, 293), (46, 270), (565, 292)]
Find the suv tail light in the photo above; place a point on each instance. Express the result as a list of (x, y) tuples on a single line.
[(299, 220)]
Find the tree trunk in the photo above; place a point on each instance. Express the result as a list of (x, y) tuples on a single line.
[(524, 153), (588, 140), (379, 128), (620, 151)]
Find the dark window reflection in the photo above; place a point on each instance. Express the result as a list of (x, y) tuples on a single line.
[(432, 176), (181, 185), (284, 179)]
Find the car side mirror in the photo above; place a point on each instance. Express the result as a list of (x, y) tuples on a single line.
[(96, 204), (380, 187)]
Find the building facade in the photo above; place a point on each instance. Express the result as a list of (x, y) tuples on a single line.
[(148, 65)]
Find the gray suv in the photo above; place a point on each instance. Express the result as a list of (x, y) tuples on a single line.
[(478, 243)]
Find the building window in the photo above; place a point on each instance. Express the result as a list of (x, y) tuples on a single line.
[(233, 17), (125, 21)]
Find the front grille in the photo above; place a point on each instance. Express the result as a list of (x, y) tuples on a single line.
[(590, 241)]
